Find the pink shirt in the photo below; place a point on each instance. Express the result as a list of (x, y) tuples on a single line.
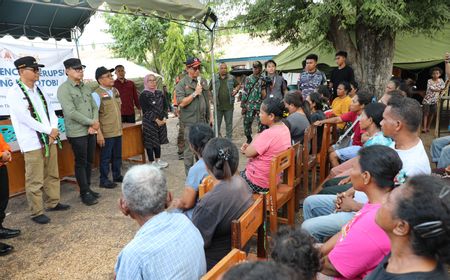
[(268, 144), (362, 245)]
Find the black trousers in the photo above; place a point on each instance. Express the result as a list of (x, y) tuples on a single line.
[(4, 192), (83, 149), (129, 118), (151, 150)]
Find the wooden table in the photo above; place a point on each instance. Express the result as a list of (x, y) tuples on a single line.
[(132, 145)]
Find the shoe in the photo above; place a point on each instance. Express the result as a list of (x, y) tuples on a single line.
[(60, 207), (94, 194), (118, 179), (180, 156), (5, 249), (6, 233), (88, 199), (155, 164), (108, 185), (162, 163), (41, 219)]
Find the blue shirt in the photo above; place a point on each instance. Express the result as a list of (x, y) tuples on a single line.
[(168, 246), (195, 176), (308, 82), (378, 139), (97, 98)]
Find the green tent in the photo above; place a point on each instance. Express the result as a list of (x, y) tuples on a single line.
[(411, 52)]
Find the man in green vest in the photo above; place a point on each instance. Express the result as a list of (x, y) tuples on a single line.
[(226, 88), (109, 136), (193, 101)]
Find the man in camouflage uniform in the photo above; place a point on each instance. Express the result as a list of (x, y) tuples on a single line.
[(252, 98)]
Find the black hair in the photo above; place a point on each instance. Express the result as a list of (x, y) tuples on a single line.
[(261, 270), (383, 164), (435, 69), (294, 97), (199, 135), (341, 53), (270, 61), (317, 99), (119, 66), (221, 157), (375, 112), (274, 106), (354, 84), (304, 63), (312, 56), (324, 91), (295, 248), (346, 85), (426, 208), (397, 82), (397, 92), (407, 109), (364, 97)]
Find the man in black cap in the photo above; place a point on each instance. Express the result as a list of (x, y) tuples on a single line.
[(193, 101), (81, 121), (36, 127), (109, 136)]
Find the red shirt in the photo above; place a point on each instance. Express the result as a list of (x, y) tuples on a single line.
[(128, 96), (351, 117)]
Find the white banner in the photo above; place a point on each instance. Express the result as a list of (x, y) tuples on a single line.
[(52, 75)]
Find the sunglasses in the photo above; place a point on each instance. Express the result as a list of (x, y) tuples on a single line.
[(196, 68), (35, 70)]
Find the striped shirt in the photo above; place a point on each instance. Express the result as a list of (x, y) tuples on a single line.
[(168, 246)]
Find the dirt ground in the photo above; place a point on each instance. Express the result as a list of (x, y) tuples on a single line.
[(83, 243)]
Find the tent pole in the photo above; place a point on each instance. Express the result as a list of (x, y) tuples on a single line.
[(75, 36), (216, 128)]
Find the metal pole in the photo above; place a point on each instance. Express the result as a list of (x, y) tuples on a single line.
[(216, 129), (75, 36)]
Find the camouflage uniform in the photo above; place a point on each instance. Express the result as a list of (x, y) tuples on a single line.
[(251, 103)]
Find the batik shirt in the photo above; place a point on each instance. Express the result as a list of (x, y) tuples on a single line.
[(252, 98)]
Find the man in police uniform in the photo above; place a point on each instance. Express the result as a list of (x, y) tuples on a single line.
[(193, 101)]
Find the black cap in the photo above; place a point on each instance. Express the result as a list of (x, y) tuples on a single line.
[(193, 61), (27, 61), (102, 71), (73, 63)]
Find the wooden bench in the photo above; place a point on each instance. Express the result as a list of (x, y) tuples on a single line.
[(281, 192), (234, 257), (310, 157), (250, 222), (300, 192), (329, 137)]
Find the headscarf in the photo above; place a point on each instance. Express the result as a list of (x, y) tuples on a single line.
[(146, 78)]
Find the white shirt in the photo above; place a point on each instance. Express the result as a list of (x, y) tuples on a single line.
[(415, 162), (25, 126)]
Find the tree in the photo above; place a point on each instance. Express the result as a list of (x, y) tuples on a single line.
[(366, 29), (173, 55), (138, 38)]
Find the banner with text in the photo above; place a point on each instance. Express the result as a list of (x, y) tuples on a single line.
[(51, 76)]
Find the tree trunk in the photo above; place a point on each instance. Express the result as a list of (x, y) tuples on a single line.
[(375, 58)]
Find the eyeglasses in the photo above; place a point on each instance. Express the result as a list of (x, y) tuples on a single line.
[(196, 68), (78, 69), (35, 70)]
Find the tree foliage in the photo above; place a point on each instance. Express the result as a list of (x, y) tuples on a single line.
[(366, 29), (138, 38), (173, 55)]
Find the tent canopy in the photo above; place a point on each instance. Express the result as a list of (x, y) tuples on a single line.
[(411, 52), (55, 18)]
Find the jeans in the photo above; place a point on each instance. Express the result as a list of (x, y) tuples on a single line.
[(228, 116), (153, 150), (440, 151), (320, 221), (83, 149), (111, 153), (4, 192)]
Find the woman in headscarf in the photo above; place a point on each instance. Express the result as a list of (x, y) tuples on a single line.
[(154, 119)]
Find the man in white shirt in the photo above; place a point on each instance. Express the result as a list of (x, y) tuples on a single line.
[(36, 128), (325, 214)]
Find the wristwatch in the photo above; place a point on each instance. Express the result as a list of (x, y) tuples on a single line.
[(193, 95)]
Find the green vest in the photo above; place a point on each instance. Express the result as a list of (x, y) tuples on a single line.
[(109, 113)]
